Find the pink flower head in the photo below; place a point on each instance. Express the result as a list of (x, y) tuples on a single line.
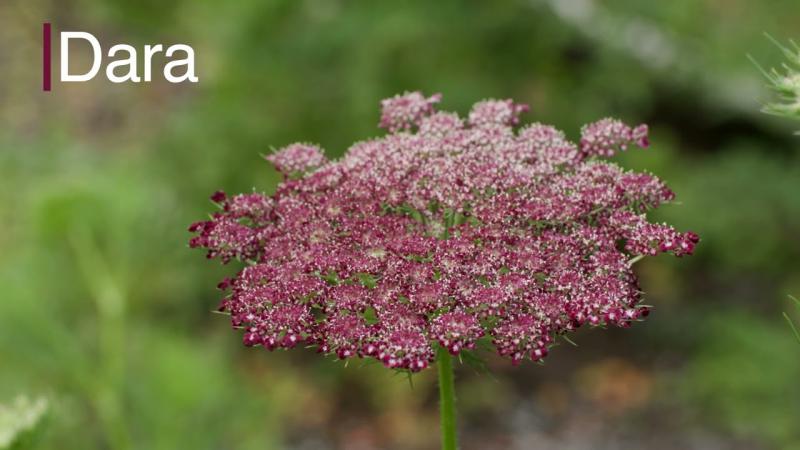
[(297, 158), (608, 136), (496, 112), (403, 111), (443, 232)]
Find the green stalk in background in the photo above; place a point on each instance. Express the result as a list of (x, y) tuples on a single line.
[(110, 303), (789, 319)]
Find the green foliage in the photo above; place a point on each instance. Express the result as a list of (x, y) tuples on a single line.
[(744, 377), (744, 205)]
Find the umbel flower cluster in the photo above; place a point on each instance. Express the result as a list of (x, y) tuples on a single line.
[(445, 231)]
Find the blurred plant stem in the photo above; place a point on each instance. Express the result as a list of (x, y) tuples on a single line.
[(447, 399), (109, 303), (789, 319)]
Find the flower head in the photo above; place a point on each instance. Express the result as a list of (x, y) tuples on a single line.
[(404, 111), (297, 158), (443, 232), (785, 82)]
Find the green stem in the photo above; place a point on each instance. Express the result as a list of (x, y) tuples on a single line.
[(447, 399)]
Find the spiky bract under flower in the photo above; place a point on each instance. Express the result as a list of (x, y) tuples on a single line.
[(443, 231), (786, 82)]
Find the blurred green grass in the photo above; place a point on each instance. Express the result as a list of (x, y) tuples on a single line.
[(106, 311)]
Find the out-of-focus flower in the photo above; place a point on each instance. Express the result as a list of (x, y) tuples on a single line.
[(19, 418), (403, 111), (297, 158), (444, 231), (785, 82)]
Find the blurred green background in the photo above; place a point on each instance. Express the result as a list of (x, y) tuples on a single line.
[(107, 313)]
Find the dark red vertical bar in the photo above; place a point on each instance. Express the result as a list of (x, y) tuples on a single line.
[(47, 57)]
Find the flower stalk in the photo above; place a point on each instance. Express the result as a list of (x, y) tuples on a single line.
[(447, 399)]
